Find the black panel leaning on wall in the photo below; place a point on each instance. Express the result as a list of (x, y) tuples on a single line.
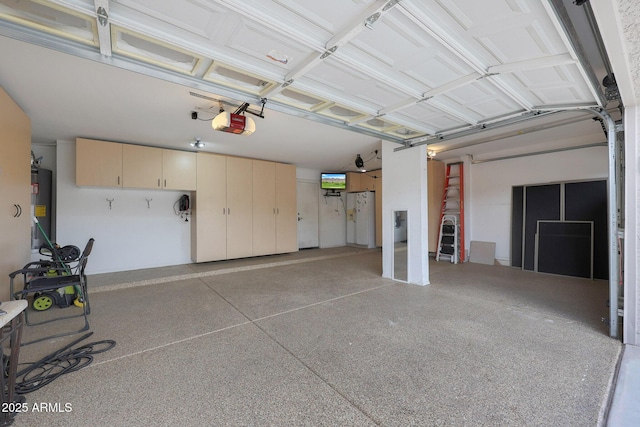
[(565, 248), (542, 202), (517, 210), (587, 201)]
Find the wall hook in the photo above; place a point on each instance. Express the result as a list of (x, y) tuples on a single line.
[(148, 203), (110, 200)]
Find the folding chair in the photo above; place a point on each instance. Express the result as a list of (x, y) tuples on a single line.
[(43, 281)]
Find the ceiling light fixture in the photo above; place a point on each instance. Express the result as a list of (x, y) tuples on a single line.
[(197, 143), (359, 162), (431, 154)]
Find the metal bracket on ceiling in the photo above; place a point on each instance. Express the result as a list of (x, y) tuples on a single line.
[(244, 108), (103, 27), (103, 16)]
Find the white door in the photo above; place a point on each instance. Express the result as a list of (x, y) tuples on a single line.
[(308, 196)]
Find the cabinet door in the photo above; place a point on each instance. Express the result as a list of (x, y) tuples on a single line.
[(264, 207), (15, 185), (209, 209), (178, 170), (141, 166), (98, 163), (377, 181), (239, 207), (367, 182), (353, 181), (286, 209)]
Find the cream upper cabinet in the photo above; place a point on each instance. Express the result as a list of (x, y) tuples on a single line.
[(377, 180), (367, 182), (15, 188), (286, 209), (209, 209), (141, 166), (98, 163), (178, 170), (353, 181), (264, 207), (151, 167), (361, 181), (112, 164)]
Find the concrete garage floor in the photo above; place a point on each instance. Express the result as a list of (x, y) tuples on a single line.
[(319, 338)]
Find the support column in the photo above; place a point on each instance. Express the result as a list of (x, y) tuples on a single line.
[(631, 328), (404, 183)]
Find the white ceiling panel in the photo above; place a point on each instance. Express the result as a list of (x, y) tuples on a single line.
[(388, 69), (433, 119), (260, 44), (190, 16)]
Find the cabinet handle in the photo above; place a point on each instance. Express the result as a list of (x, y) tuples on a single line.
[(278, 211), (165, 183), (18, 211), (118, 180), (224, 211), (228, 211), (158, 182), (274, 211)]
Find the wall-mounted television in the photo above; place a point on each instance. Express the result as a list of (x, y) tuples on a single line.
[(333, 181)]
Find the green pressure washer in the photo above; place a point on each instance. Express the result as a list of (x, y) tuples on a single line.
[(65, 296)]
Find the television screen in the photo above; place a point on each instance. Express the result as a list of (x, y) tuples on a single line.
[(333, 181)]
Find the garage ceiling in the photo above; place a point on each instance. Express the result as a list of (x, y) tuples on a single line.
[(408, 71)]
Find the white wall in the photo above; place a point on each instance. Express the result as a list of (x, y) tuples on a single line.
[(130, 235), (405, 188), (333, 220), (332, 217), (488, 206)]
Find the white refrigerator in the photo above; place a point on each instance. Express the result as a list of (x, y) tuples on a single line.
[(361, 219)]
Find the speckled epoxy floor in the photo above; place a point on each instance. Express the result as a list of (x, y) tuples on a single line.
[(319, 338)]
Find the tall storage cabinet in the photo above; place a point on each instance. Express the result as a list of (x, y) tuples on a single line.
[(274, 208), (243, 207), (209, 219), (239, 207), (15, 185), (286, 209), (264, 207)]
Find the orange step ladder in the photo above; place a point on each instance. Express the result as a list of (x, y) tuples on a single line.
[(451, 235)]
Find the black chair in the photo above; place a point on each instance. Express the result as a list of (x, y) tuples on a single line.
[(43, 281)]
